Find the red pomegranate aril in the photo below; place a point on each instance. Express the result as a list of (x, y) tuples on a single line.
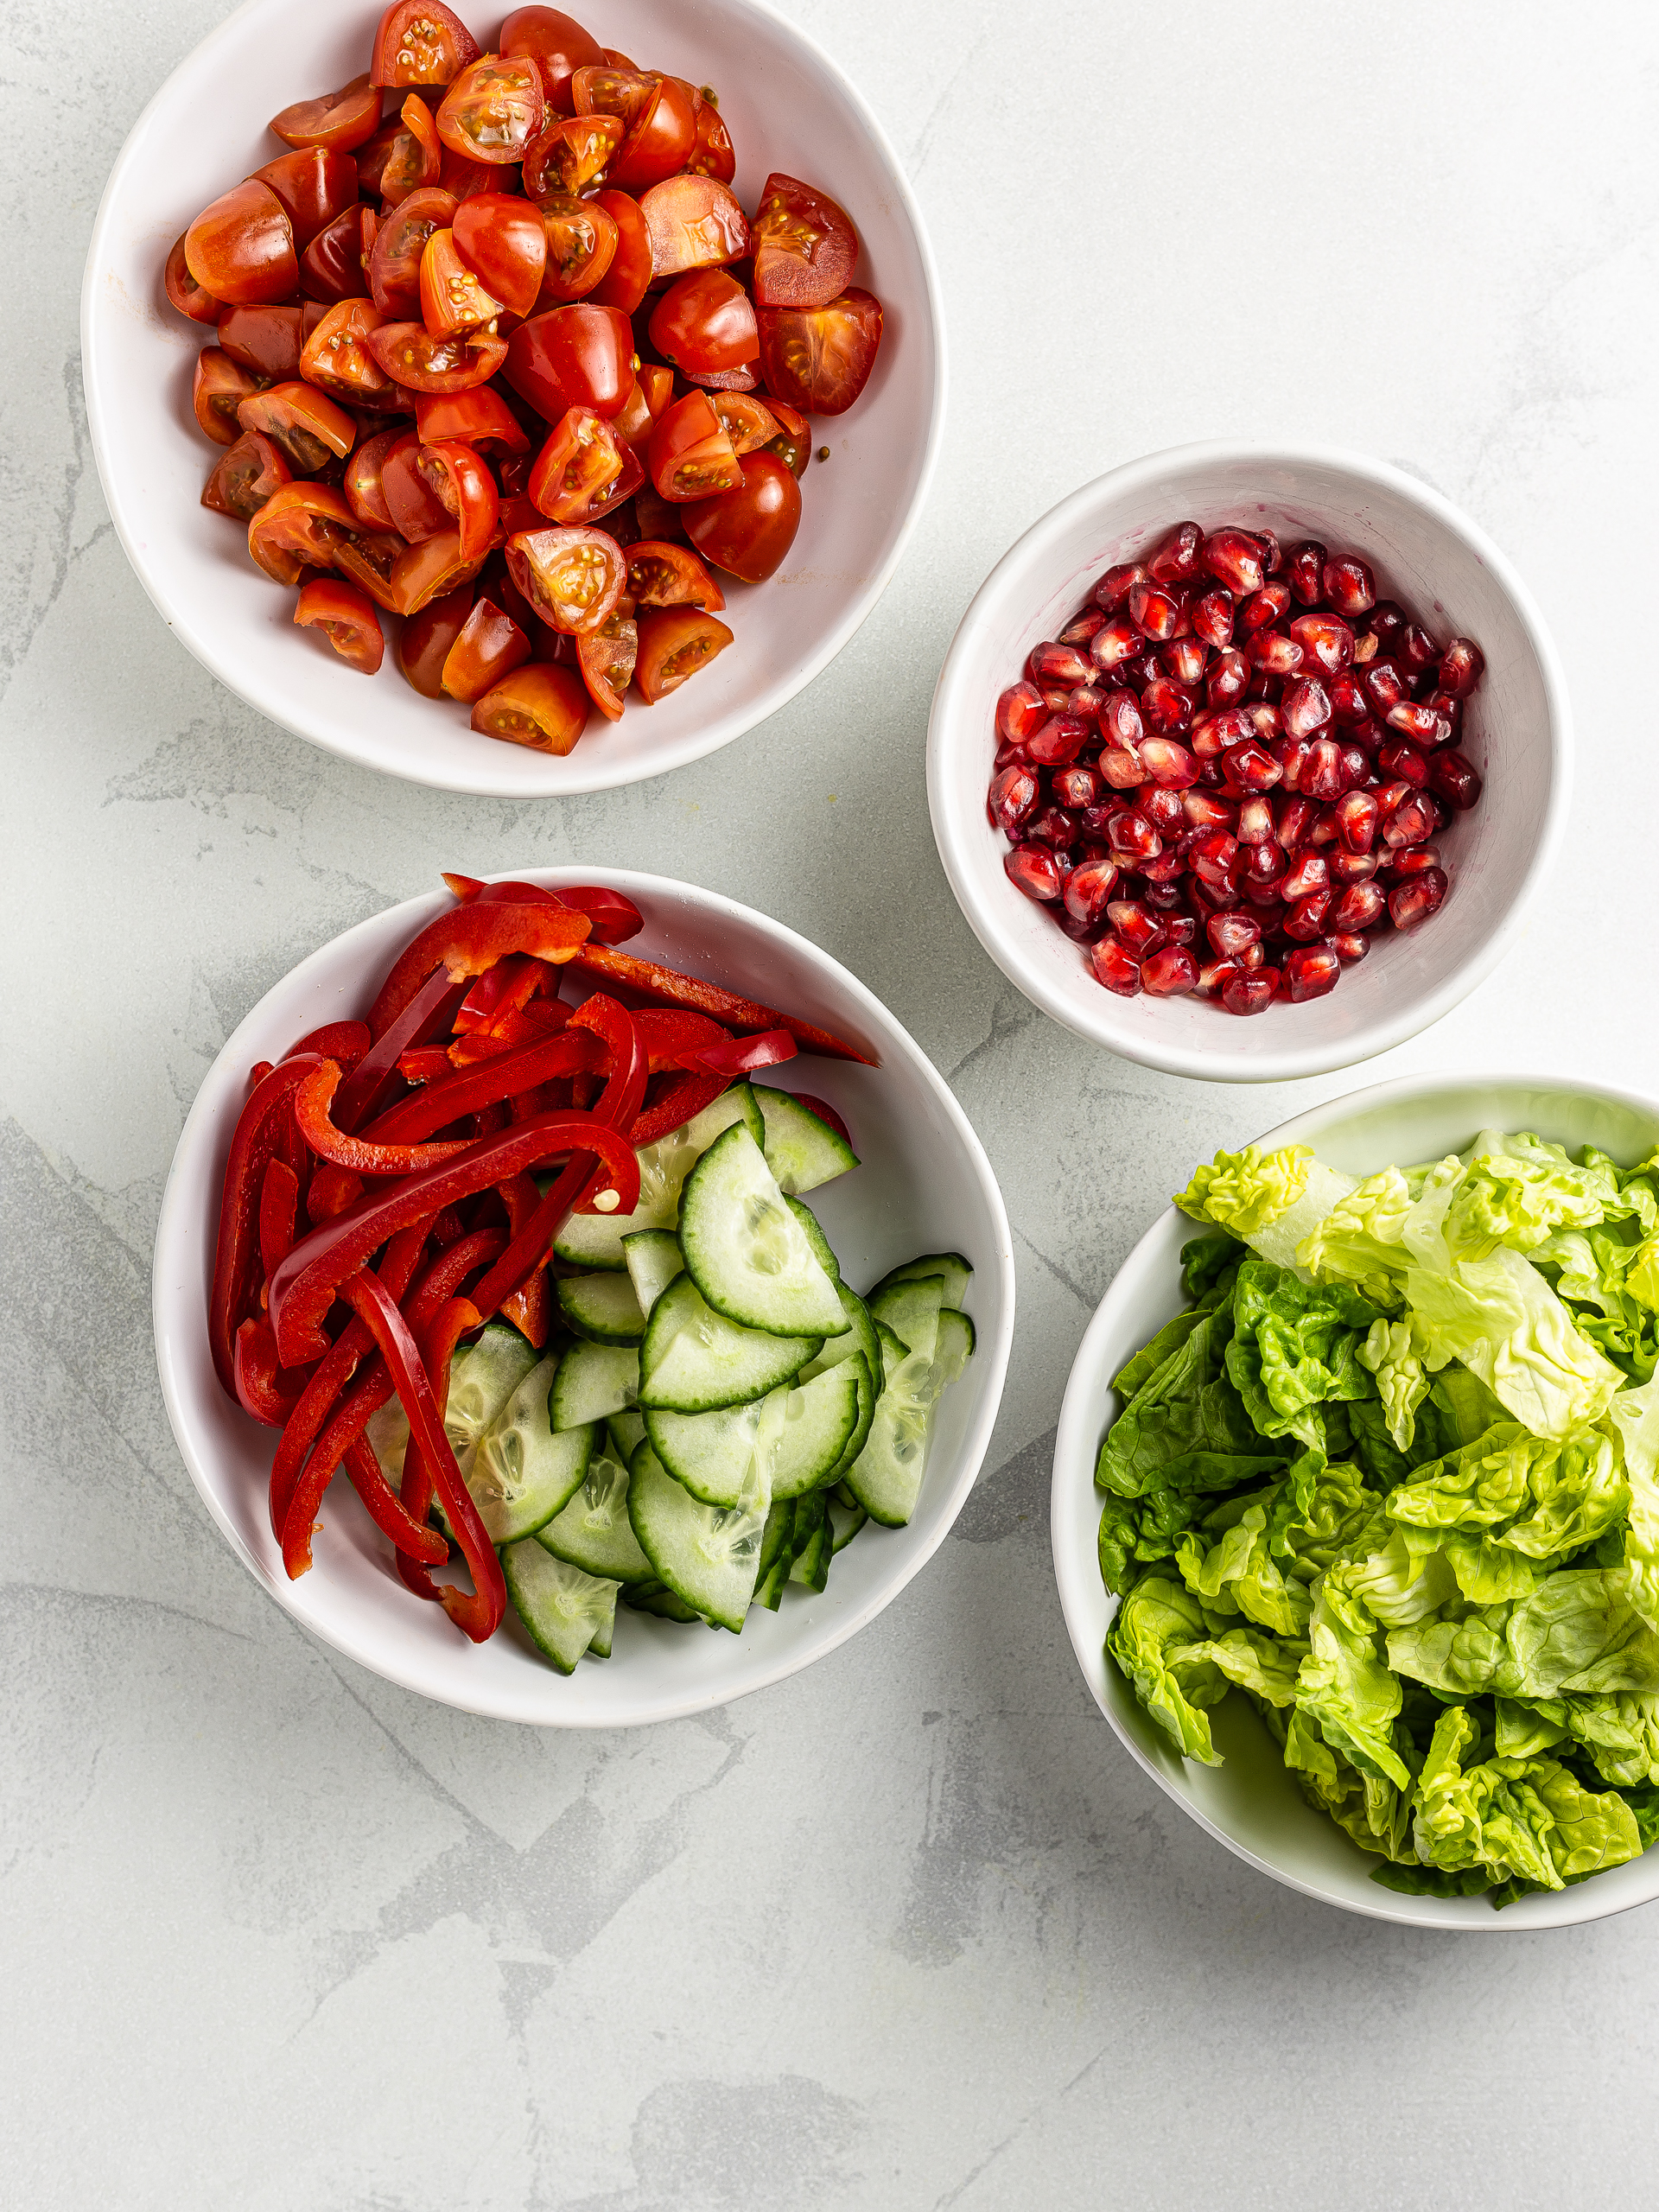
[(1019, 712), (1268, 719), (1385, 687), (1059, 740), (1403, 761), (1183, 927), (1323, 830), (1310, 971), (1056, 663), (1304, 571), (1274, 654), (1417, 650), (1185, 660), (1367, 646), (1414, 859), (1412, 821), (1249, 767), (1054, 827), (1309, 872), (1082, 627), (1169, 765), (1421, 722), (1114, 969), (1356, 767), (1294, 817), (1015, 794), (1227, 679), (1306, 707), (1163, 809), (1388, 619), (1349, 705), (1250, 993), (1233, 726), (1349, 946), (1453, 776), (1357, 907), (1218, 972), (1120, 721), (1170, 973), (1306, 919), (1056, 700), (1176, 558), (1169, 867), (1163, 897), (1087, 890), (1254, 823), (1322, 778), (1116, 641), (1212, 617), (1116, 584), (1154, 612), (1094, 824), (1389, 795), (1032, 870), (1265, 608), (1166, 705), (1075, 788), (1236, 559), (1326, 640), (1132, 837), (1449, 708), (1215, 857), (1348, 585), (1086, 701), (1136, 928), (1122, 768), (1462, 665), (1264, 897), (1352, 868), (1356, 819), (1414, 900), (1232, 933), (1205, 811)]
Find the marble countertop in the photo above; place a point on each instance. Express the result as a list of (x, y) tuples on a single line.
[(909, 1931)]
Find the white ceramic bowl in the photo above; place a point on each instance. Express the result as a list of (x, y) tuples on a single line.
[(925, 1185), (789, 107), (1444, 570), (1250, 1802)]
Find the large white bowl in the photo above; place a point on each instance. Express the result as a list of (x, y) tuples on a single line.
[(1250, 1802), (1444, 570), (925, 1185), (788, 106)]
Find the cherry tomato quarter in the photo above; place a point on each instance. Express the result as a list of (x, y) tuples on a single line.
[(347, 620), (241, 248), (479, 417), (577, 356), (747, 422), (674, 642), (424, 642), (266, 342), (503, 240), (337, 357), (220, 386), (464, 487), (558, 46), (819, 359), (540, 706), (412, 357), (300, 526), (605, 658), (303, 422), (315, 184), (341, 121), (793, 444), (488, 645), (416, 511), (693, 223), (658, 116), (244, 476), (572, 155), (183, 291), (805, 248), (394, 262), (336, 265), (581, 240), (713, 155), (453, 302), (364, 481), (415, 161), (425, 572), (494, 109), (705, 321), (571, 578), (690, 456), (661, 575), (420, 42), (748, 532)]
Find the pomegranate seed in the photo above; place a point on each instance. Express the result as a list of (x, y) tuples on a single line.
[(1120, 721), (1304, 571), (1115, 641), (1169, 765), (1082, 627), (1352, 868), (1133, 838), (1323, 831), (1142, 670), (1357, 907), (1212, 619), (1059, 740), (1254, 823), (1265, 608), (1087, 890), (1114, 968), (1056, 701), (1322, 778), (1349, 705), (1306, 707), (1455, 777), (1057, 663), (1416, 860), (1013, 795), (1231, 933), (1309, 872), (1185, 660), (1366, 646), (1413, 901), (1086, 701), (1349, 586), (1250, 993), (1167, 868), (1269, 721), (1348, 946), (1356, 767), (1389, 795), (1403, 761), (1218, 972), (1417, 650), (1095, 819), (1163, 809), (1163, 897), (1461, 667), (1205, 811), (1054, 827), (1019, 712), (1233, 726), (1032, 870), (1356, 820), (1215, 856), (1183, 928), (1122, 768), (1327, 643), (1136, 928), (1249, 767), (1449, 708), (1411, 822), (1236, 559), (1227, 679), (1310, 972), (1307, 918), (1166, 705), (1385, 687), (1153, 610), (1169, 973), (1294, 817), (1421, 722), (1264, 897), (1274, 653), (1272, 559), (1176, 560), (1076, 787), (1388, 619), (1115, 585)]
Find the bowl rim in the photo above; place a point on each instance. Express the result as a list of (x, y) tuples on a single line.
[(1076, 1446), (1241, 1063), (176, 1263), (605, 772)]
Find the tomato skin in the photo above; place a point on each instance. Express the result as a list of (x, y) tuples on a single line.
[(315, 184), (607, 656), (416, 511), (661, 575), (300, 526), (627, 277), (558, 46), (584, 470), (432, 55), (661, 119), (493, 110), (453, 302), (342, 121), (806, 247), (411, 357), (464, 487), (306, 424), (690, 455), (705, 321), (580, 239), (793, 444), (347, 618), (241, 248), (425, 572), (336, 265), (395, 263), (819, 360), (714, 153), (748, 532), (415, 161), (571, 578), (336, 356), (479, 417), (184, 293), (220, 386), (487, 646), (749, 423), (244, 476), (363, 481), (423, 645), (266, 342), (577, 356), (572, 155), (693, 223), (503, 240), (674, 642), (537, 705)]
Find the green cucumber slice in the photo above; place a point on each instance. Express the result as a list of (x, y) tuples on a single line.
[(523, 1470), (624, 1431), (595, 1240), (780, 1446), (845, 1522), (777, 1549), (886, 1476), (483, 1375), (911, 1310), (816, 1237), (810, 1564), (957, 1272), (694, 1360), (816, 1423), (746, 1251), (706, 1554), (601, 1307), (594, 1531), (594, 1382), (656, 1598), (802, 1151), (954, 1347), (563, 1608), (859, 1337), (653, 1260)]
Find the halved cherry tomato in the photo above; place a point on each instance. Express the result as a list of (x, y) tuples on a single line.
[(693, 223), (793, 444), (747, 422), (819, 359), (336, 265), (464, 487), (373, 155), (658, 384), (494, 109), (465, 178), (344, 120), (705, 321), (659, 519), (363, 484), (572, 578), (301, 526), (690, 455), (453, 302), (303, 422), (605, 658), (558, 46), (628, 277), (487, 646), (714, 155), (244, 477), (347, 618), (424, 643), (743, 379), (661, 575), (420, 42), (315, 184), (747, 532), (633, 424), (674, 642), (415, 161), (479, 417), (337, 356), (410, 356), (579, 356), (425, 572), (538, 706), (182, 289), (395, 263), (416, 511), (805, 248), (241, 248), (221, 386), (571, 156), (501, 239), (579, 473), (579, 237), (264, 340), (661, 120)]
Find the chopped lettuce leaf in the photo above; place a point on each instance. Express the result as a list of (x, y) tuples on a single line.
[(1242, 1191), (1527, 1819), (1186, 1429), (1294, 1345), (1390, 1354), (1155, 1618)]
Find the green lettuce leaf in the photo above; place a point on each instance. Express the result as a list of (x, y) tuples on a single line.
[(1634, 1416), (1237, 1572), (1325, 1516), (1375, 1811), (1407, 1580), (1390, 1354), (1294, 1345), (1187, 1428), (1155, 1619), (1343, 1688), (1135, 1373), (1481, 1486), (1526, 1819), (1360, 1240), (1266, 1666), (1418, 1881), (1517, 1190), (1578, 1630), (1501, 1319), (1208, 1267), (1544, 1497), (1244, 1191)]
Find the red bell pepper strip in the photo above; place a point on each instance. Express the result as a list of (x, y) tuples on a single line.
[(507, 986), (438, 1342), (357, 1154), (741, 1055), (828, 1115), (279, 1204), (670, 1035), (254, 1144), (305, 1284), (386, 1509), (477, 1615), (333, 1189), (614, 918), (427, 1016), (681, 1100), (470, 939), (438, 1104), (258, 1071), (258, 1378), (527, 1308), (345, 1041), (426, 1064), (668, 987)]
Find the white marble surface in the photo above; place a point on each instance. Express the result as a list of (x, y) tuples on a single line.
[(909, 1931)]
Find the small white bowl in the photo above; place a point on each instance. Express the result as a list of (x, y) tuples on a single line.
[(1251, 1803), (1445, 571), (925, 1185), (789, 107)]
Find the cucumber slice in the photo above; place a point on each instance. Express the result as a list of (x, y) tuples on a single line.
[(845, 1522), (601, 1646), (778, 1445), (653, 1260), (523, 1470), (482, 1378), (594, 1382), (816, 1237), (693, 1360), (656, 1598), (886, 1476), (810, 1564), (816, 1423), (624, 1431), (954, 1347), (859, 1338), (911, 1310), (868, 1392), (594, 1531), (595, 1240), (802, 1151), (746, 1251), (601, 1307), (777, 1551), (706, 1554), (955, 1269), (563, 1608)]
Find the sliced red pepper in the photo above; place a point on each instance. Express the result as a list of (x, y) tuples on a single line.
[(258, 1133), (259, 1379), (426, 1064), (541, 1018), (502, 1076), (279, 1205), (386, 1509), (741, 1055), (427, 1014), (345, 1041), (511, 982), (470, 939), (828, 1115), (333, 1190), (670, 987), (438, 1342), (670, 1035), (357, 1154), (528, 1308), (682, 1099), (614, 918)]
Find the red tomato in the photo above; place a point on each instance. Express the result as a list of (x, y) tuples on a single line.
[(241, 249), (579, 356), (420, 42), (493, 110), (307, 526), (264, 340), (819, 359), (464, 178), (793, 444), (453, 302), (705, 321), (424, 643), (347, 618), (658, 384), (244, 477), (343, 120), (693, 223), (336, 265), (411, 357), (584, 469), (627, 275), (571, 156), (748, 532), (661, 575), (488, 645), (581, 238), (395, 263), (182, 289), (303, 422), (425, 572), (537, 705), (674, 642), (363, 484), (337, 356), (805, 247), (690, 455), (415, 161), (503, 241), (713, 155), (464, 487), (572, 578), (747, 422), (661, 121), (605, 658), (221, 386), (479, 417), (314, 185), (416, 511), (558, 46), (633, 424)]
